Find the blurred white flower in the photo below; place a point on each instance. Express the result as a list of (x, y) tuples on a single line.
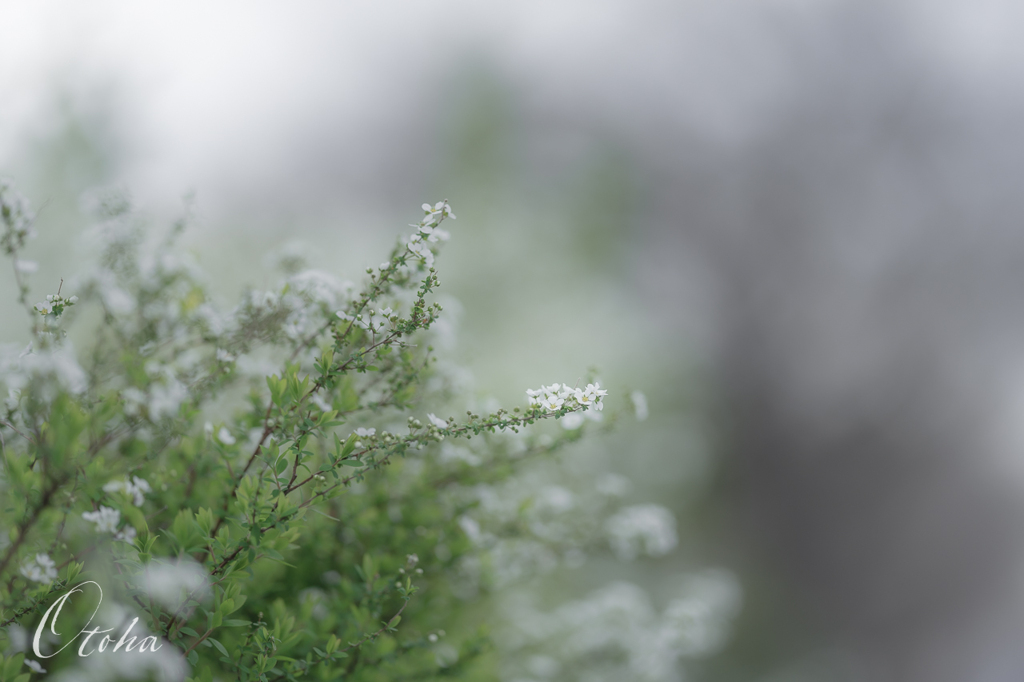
[(224, 436), (127, 534), (615, 633), (647, 528), (572, 421), (41, 569), (471, 528), (34, 666), (106, 519), (419, 248), (136, 488), (436, 421), (164, 399), (434, 234), (47, 372), (169, 583)]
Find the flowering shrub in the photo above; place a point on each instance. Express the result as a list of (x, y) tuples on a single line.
[(260, 493)]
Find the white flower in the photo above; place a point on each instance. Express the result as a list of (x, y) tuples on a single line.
[(224, 436), (106, 519), (224, 356), (169, 583), (34, 666), (365, 433), (554, 397), (46, 371), (164, 400), (591, 396), (439, 423), (434, 234), (42, 569), (127, 534), (432, 637), (551, 402), (26, 266), (319, 401), (441, 208), (321, 287), (471, 528), (136, 488), (419, 248), (378, 320)]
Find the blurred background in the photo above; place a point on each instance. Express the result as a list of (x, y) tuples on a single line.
[(794, 224)]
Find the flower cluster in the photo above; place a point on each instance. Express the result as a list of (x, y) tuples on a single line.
[(15, 218), (643, 528), (55, 305), (563, 396), (136, 488), (616, 633), (216, 444), (107, 520), (373, 321), (429, 232), (41, 569)]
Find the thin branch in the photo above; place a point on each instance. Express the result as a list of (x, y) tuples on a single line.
[(12, 427)]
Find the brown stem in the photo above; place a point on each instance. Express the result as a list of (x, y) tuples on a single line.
[(27, 524)]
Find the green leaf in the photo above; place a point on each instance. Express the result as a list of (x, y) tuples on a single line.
[(348, 399), (368, 566), (350, 445), (12, 665)]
